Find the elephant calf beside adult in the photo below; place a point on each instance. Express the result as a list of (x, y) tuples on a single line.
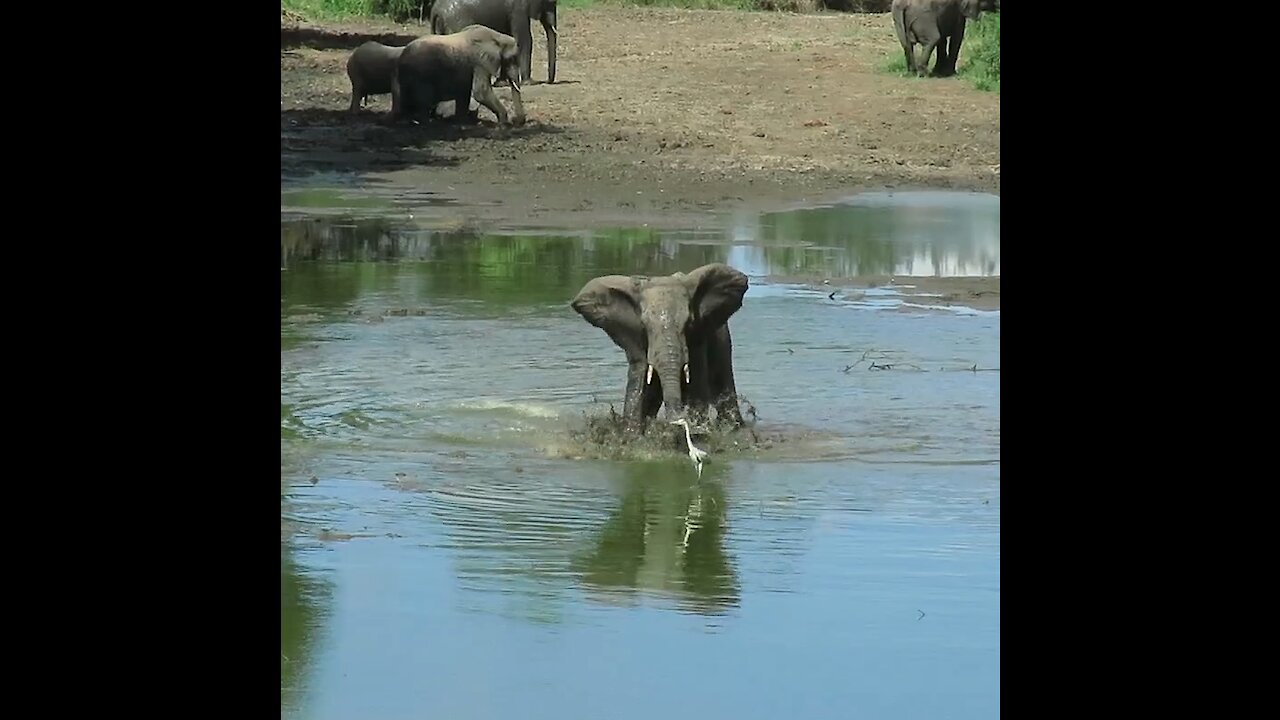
[(506, 16), (371, 69), (457, 66), (934, 23), (675, 333)]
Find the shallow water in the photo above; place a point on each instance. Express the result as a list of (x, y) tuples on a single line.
[(452, 549)]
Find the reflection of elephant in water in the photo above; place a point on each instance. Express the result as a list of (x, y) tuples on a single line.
[(666, 536), (675, 333), (931, 23), (303, 605), (437, 68), (506, 16), (371, 68)]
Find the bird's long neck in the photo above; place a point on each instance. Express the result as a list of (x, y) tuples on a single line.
[(687, 437)]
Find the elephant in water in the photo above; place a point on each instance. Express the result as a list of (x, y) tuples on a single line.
[(932, 23), (675, 333), (506, 16)]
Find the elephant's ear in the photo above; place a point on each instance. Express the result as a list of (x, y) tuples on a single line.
[(488, 55), (611, 303), (717, 291)]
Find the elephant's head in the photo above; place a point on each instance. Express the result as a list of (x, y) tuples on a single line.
[(655, 320), (545, 12), (497, 53), (972, 9)]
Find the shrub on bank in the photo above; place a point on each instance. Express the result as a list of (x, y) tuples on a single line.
[(980, 53)]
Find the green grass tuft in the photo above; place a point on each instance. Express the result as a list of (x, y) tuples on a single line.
[(896, 64)]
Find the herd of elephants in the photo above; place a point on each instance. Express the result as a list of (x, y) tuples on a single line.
[(475, 44), (673, 329)]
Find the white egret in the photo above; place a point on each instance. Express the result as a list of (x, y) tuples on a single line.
[(696, 454)]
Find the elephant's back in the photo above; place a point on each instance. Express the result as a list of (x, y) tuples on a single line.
[(369, 52), (433, 57), (454, 15), (381, 59)]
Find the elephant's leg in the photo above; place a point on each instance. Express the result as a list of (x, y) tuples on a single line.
[(906, 41), (422, 101), (552, 36), (924, 60), (928, 36), (486, 97), (953, 48), (698, 394), (397, 98), (720, 370), (632, 401), (524, 45), (357, 98)]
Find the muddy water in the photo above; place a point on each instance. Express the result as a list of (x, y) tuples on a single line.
[(452, 547)]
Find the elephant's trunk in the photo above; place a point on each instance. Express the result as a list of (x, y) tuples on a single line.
[(671, 367), (549, 24)]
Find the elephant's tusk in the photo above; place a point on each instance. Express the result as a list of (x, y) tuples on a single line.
[(648, 376), (554, 31), (686, 373)]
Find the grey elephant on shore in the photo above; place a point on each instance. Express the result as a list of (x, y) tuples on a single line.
[(457, 66), (506, 16), (675, 333), (930, 24), (371, 69)]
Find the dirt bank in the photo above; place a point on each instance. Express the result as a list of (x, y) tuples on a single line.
[(656, 116)]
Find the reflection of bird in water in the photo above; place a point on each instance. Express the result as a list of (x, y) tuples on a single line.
[(695, 454), (692, 519)]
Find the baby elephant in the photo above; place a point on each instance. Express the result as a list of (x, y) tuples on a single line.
[(371, 69), (457, 66)]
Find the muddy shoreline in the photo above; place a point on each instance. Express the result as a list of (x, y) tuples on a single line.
[(646, 128)]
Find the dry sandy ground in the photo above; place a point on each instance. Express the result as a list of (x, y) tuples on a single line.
[(656, 116)]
